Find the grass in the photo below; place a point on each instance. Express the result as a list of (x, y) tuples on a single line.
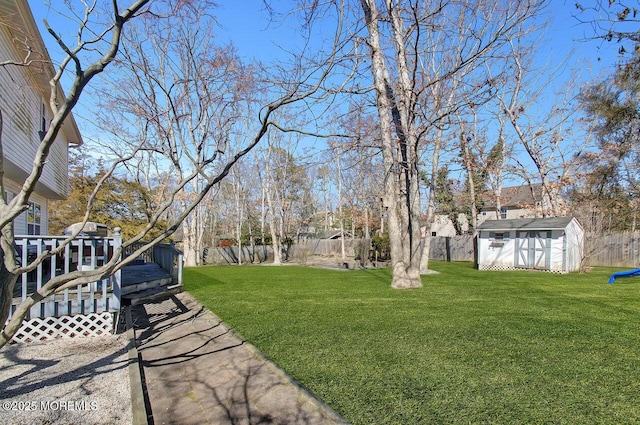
[(470, 347)]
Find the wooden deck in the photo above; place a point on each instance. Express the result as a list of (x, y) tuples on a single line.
[(131, 275), (140, 273), (134, 278)]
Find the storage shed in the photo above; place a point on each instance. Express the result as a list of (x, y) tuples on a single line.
[(550, 244)]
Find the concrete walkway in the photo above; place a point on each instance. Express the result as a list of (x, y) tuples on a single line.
[(198, 371)]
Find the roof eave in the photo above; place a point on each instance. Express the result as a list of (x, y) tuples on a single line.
[(69, 126)]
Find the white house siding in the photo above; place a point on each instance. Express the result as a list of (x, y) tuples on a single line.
[(22, 105), (443, 226), (56, 172), (511, 213)]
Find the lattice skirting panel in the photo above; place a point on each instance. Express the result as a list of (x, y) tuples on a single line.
[(78, 325), (500, 267)]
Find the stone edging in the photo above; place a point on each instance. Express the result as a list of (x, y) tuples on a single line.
[(138, 406), (138, 403)]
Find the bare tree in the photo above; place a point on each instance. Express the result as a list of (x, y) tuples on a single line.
[(271, 210), (284, 183), (400, 156), (187, 102), (110, 36), (336, 160), (240, 203), (361, 168), (611, 21), (467, 136), (398, 37), (496, 166), (544, 135), (199, 149)]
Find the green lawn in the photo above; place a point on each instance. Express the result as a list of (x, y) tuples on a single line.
[(470, 347)]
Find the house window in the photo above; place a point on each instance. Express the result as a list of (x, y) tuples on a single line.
[(503, 213), (33, 219), (434, 234)]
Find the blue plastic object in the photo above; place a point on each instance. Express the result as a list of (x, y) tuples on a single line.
[(626, 273)]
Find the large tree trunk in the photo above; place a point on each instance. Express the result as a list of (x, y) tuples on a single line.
[(469, 168), (189, 244), (275, 238), (7, 283), (343, 255), (399, 156)]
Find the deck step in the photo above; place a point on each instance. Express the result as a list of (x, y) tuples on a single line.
[(140, 277), (143, 286), (151, 294)]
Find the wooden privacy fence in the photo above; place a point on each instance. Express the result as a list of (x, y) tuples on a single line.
[(327, 247), (613, 250), (607, 250), (454, 248), (451, 248), (298, 252)]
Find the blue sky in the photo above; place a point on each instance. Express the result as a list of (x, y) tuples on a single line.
[(254, 36), (247, 25)]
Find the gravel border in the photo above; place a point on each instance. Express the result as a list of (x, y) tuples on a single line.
[(70, 381)]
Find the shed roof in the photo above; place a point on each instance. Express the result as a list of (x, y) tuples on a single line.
[(554, 223)]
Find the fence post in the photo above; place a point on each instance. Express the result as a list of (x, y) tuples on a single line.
[(180, 264), (116, 278)]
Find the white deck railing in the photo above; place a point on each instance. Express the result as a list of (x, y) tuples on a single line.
[(86, 309), (83, 253)]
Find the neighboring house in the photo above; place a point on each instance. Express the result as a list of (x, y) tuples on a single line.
[(549, 244), (526, 201), (24, 102), (443, 226), (338, 236)]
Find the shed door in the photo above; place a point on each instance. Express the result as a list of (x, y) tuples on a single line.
[(533, 250)]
